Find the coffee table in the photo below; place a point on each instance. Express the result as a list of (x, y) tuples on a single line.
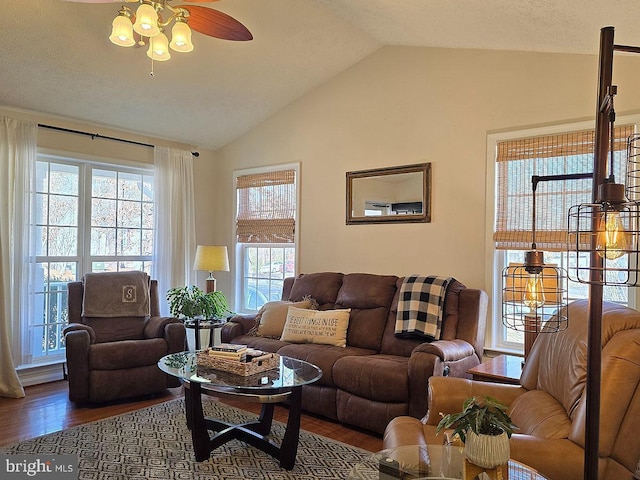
[(268, 388), (443, 462)]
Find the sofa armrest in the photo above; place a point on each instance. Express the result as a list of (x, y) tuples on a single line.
[(80, 327), (236, 326), (447, 350), (447, 394), (155, 326), (78, 342)]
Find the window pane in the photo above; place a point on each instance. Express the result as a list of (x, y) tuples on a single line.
[(63, 211), (41, 209), (63, 241), (147, 242), (64, 179), (128, 241), (42, 177), (103, 241), (103, 184), (130, 186), (129, 214), (147, 188), (103, 213), (147, 215)]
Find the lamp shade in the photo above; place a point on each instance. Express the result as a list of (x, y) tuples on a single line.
[(146, 21), (159, 48), (181, 37), (211, 258), (122, 30)]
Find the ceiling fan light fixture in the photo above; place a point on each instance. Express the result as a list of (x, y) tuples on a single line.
[(181, 36), (146, 21), (122, 29), (159, 48)]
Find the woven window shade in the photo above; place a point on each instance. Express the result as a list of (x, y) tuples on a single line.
[(266, 207), (518, 160)]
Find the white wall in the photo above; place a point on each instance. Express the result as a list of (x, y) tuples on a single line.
[(405, 105)]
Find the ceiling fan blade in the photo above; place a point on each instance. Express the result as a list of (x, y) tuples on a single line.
[(216, 24)]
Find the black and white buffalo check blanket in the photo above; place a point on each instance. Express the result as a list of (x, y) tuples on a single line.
[(421, 306)]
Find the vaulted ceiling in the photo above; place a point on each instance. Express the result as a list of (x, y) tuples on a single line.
[(55, 56)]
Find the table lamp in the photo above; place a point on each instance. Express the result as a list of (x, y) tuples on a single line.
[(210, 258)]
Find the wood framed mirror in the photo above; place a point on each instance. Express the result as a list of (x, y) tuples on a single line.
[(389, 195)]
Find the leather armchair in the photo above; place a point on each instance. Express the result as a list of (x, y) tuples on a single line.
[(115, 358), (549, 405)]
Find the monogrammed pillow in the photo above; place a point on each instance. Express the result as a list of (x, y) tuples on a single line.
[(328, 327)]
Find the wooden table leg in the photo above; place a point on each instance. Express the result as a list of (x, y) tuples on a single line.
[(195, 418), (289, 445)]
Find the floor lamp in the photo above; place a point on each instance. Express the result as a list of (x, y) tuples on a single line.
[(598, 272)]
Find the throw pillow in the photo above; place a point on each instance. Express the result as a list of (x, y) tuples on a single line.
[(272, 316), (328, 327)]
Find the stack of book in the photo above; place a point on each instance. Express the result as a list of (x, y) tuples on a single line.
[(230, 351)]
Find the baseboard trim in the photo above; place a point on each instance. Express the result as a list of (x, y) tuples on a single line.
[(40, 374)]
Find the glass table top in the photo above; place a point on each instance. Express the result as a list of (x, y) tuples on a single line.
[(290, 373), (442, 462)]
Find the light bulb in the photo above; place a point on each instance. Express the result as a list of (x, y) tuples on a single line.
[(146, 21), (613, 240), (533, 292)]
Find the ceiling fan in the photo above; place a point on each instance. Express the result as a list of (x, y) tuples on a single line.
[(152, 16)]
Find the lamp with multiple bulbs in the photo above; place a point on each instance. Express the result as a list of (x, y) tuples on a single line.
[(148, 22)]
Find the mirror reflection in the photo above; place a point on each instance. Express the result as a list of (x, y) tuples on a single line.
[(396, 194)]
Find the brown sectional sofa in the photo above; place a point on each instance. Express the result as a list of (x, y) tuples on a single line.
[(377, 376)]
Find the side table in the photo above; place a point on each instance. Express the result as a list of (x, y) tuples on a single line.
[(211, 325), (500, 369)]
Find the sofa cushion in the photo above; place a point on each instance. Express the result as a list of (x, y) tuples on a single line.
[(126, 354), (377, 377), (369, 297), (327, 327), (272, 316), (323, 287), (539, 414), (323, 356)]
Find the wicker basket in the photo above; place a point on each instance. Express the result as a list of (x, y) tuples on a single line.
[(234, 366)]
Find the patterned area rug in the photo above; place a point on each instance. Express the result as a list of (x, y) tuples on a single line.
[(155, 443)]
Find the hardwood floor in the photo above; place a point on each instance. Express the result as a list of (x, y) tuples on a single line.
[(46, 408)]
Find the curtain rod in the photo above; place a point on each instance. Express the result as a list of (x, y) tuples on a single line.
[(106, 137)]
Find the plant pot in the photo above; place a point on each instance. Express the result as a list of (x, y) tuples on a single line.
[(487, 451)]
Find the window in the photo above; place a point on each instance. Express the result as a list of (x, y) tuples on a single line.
[(512, 159), (266, 217), (85, 218)]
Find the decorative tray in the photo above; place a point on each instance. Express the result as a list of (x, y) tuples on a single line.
[(245, 369)]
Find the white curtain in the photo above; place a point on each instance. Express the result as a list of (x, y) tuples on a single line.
[(175, 231), (18, 148)]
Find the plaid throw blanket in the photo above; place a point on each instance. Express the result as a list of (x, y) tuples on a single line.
[(421, 306)]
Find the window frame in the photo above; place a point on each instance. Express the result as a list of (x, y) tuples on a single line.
[(239, 248), (494, 259), (83, 259)]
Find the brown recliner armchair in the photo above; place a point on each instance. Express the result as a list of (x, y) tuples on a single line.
[(549, 405), (114, 355)]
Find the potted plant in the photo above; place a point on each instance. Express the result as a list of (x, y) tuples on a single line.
[(484, 427), (191, 302)]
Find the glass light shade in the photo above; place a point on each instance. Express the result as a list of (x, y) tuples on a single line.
[(122, 31), (159, 48), (146, 21), (211, 258), (612, 241), (181, 37)]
